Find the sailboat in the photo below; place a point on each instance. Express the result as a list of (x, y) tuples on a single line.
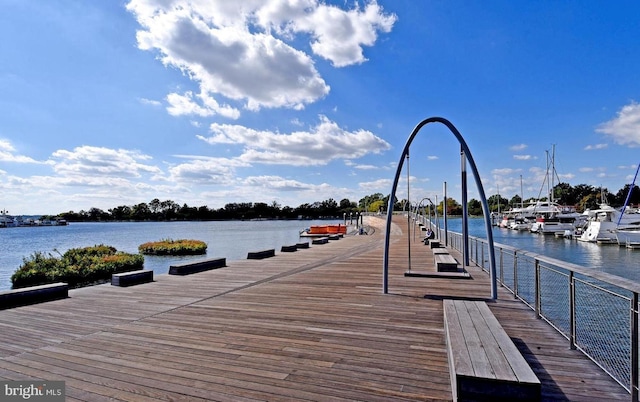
[(551, 217), (524, 218)]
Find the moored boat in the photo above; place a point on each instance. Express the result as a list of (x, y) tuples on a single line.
[(628, 237), (605, 222), (323, 230)]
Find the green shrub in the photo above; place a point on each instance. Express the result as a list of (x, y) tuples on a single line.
[(77, 267), (37, 270), (173, 247)]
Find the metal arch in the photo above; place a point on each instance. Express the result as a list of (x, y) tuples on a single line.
[(483, 199)]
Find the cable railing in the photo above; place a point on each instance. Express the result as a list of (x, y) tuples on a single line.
[(596, 312)]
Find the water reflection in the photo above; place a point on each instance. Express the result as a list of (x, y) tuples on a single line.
[(229, 239), (612, 259)]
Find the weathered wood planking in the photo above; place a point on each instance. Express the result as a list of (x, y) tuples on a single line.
[(312, 325)]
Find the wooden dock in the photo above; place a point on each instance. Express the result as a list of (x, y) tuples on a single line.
[(311, 325)]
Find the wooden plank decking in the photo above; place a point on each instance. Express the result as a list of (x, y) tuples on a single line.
[(311, 325)]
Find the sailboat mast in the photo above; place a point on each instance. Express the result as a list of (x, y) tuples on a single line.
[(553, 170), (521, 194), (546, 176), (626, 201)]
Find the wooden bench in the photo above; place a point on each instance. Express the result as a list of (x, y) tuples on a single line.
[(33, 294), (259, 255), (445, 263), (132, 278), (434, 244), (484, 364), (197, 266)]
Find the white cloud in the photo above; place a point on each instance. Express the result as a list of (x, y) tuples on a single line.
[(8, 154), (432, 157), (318, 146), (523, 157), (243, 50), (566, 176), (150, 102), (340, 35), (89, 161), (180, 105), (205, 170), (595, 146), (519, 147), (634, 167), (380, 185), (365, 167), (360, 166), (276, 183), (504, 171), (625, 127)]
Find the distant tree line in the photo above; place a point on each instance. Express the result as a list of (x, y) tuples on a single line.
[(582, 197), (168, 210)]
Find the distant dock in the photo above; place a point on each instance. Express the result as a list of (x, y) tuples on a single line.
[(310, 325)]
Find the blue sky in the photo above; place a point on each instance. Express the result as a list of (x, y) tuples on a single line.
[(108, 103)]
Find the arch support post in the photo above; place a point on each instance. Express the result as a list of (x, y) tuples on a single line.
[(483, 199)]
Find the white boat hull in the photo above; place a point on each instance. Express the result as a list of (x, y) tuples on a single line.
[(629, 238)]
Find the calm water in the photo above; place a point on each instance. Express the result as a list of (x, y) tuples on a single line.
[(612, 259), (229, 239), (233, 240)]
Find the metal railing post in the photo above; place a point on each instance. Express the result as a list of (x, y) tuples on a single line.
[(538, 291), (634, 347), (572, 311), (515, 274), (501, 268), (476, 253), (482, 256)]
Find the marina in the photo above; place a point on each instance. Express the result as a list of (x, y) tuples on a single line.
[(311, 325)]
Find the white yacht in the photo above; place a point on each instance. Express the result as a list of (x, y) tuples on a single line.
[(602, 225), (522, 222), (552, 218)]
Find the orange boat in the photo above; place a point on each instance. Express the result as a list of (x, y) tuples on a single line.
[(324, 230)]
